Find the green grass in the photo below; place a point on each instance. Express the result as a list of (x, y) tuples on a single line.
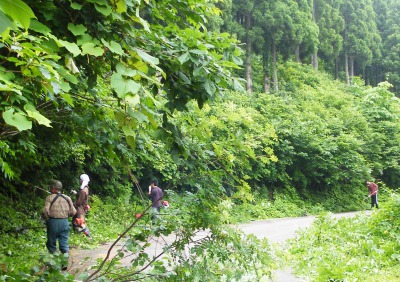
[(364, 248)]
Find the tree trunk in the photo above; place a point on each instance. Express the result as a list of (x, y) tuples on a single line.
[(297, 54), (266, 83), (346, 66), (314, 60), (314, 57), (337, 68), (249, 82), (351, 70), (275, 77)]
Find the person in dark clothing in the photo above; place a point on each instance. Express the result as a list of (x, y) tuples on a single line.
[(373, 193), (57, 209), (81, 205), (155, 194)]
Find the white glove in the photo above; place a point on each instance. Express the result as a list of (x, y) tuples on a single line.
[(149, 189)]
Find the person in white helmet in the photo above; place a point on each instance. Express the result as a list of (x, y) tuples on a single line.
[(82, 206)]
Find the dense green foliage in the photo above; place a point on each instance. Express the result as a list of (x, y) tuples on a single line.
[(129, 90), (104, 91), (306, 150), (364, 248)]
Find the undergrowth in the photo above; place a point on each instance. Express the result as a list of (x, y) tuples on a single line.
[(23, 236), (24, 257), (23, 252), (363, 248)]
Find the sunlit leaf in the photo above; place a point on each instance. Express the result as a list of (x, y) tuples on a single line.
[(76, 6), (33, 113), (77, 29), (131, 142), (128, 131), (113, 47), (121, 6), (133, 100), (140, 117), (39, 27), (18, 11), (147, 58), (105, 10), (18, 120), (67, 98), (71, 47), (91, 49), (123, 86)]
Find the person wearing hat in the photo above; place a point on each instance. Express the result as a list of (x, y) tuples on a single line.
[(82, 206), (57, 209)]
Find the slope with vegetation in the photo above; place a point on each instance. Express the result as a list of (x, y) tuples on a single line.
[(365, 248)]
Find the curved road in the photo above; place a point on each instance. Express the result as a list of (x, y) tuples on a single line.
[(276, 230)]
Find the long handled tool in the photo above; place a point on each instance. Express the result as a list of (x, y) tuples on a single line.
[(37, 187)]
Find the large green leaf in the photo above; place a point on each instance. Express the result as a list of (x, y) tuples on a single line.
[(18, 120), (33, 113), (18, 11), (113, 47), (147, 58), (39, 27), (123, 86), (5, 22), (121, 69), (128, 131), (131, 140), (184, 57), (120, 5), (91, 49), (71, 47), (139, 117), (67, 98), (77, 29), (105, 10), (133, 100), (210, 87)]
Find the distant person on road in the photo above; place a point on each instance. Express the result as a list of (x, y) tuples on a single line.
[(155, 194), (373, 193), (82, 206), (57, 209)]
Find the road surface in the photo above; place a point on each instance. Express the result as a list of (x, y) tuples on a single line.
[(276, 230)]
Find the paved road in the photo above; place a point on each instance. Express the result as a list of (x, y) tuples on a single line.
[(279, 230), (276, 230)]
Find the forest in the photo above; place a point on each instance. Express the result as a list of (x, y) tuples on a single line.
[(242, 109)]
